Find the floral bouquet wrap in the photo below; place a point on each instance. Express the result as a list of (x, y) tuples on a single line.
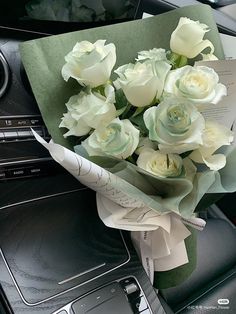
[(125, 106)]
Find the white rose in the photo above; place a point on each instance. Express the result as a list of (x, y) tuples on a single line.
[(75, 128), (208, 57), (160, 164), (176, 125), (199, 84), (215, 136), (118, 139), (144, 143), (142, 82), (90, 64), (187, 38), (156, 54), (88, 111)]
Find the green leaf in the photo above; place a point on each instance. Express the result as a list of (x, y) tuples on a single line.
[(139, 122), (177, 61), (122, 105), (173, 57), (183, 61), (127, 112), (138, 111), (121, 100), (120, 111), (100, 90)]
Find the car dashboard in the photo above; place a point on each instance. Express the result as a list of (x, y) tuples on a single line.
[(51, 260)]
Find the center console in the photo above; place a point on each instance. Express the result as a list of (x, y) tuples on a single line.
[(56, 255)]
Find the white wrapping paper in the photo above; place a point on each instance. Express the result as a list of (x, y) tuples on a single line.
[(158, 239)]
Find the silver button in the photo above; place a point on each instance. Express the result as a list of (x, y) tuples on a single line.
[(131, 288), (10, 134), (24, 134)]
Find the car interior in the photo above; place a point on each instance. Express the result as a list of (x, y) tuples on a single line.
[(52, 261)]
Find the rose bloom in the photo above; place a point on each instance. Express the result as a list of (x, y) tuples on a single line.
[(156, 54), (176, 125), (90, 64), (199, 84), (142, 82), (145, 143), (160, 164), (118, 139), (75, 128), (215, 136), (187, 39), (208, 57), (88, 111)]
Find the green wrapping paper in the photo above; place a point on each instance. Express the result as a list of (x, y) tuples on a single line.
[(174, 277), (43, 60)]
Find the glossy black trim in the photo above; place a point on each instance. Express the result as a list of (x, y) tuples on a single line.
[(5, 305)]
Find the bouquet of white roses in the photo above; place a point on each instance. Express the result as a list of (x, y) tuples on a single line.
[(151, 114), (142, 139)]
